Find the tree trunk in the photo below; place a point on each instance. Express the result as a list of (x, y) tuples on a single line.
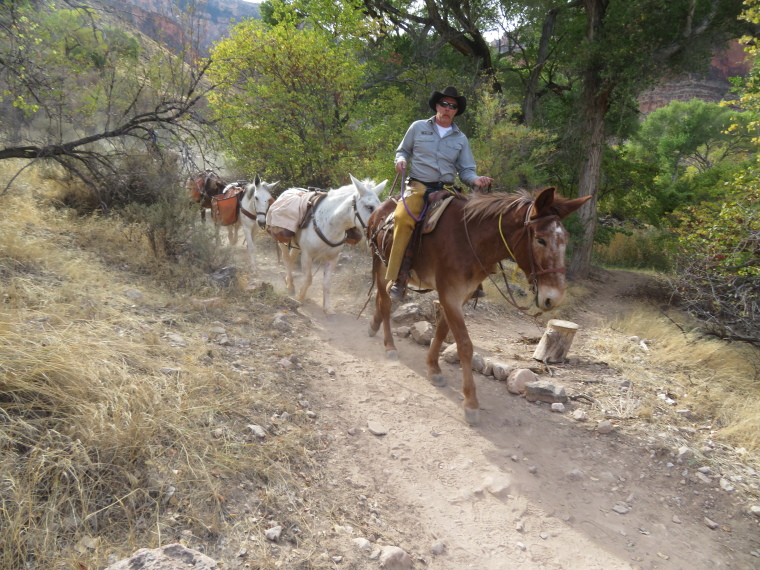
[(555, 344), (595, 106), (531, 92)]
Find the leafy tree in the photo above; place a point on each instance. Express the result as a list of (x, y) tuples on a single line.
[(627, 45), (461, 25), (291, 95), (683, 153), (515, 155), (627, 190), (692, 135)]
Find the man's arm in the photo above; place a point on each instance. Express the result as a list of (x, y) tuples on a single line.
[(404, 150)]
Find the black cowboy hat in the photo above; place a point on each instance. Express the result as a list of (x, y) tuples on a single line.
[(449, 92)]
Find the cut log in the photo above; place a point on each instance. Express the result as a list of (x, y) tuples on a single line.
[(555, 343)]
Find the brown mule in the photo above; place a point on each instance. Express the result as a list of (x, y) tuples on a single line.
[(473, 234), (202, 187)]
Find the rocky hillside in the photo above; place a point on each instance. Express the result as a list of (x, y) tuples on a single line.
[(165, 20)]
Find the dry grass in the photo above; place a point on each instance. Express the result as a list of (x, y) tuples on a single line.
[(639, 250), (717, 381), (681, 381), (113, 435)]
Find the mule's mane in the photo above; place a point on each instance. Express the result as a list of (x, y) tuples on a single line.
[(481, 206)]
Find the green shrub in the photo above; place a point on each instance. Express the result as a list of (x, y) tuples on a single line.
[(717, 266), (637, 249)]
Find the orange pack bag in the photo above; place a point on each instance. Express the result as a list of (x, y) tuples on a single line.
[(224, 208)]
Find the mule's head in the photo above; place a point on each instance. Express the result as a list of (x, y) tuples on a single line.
[(367, 199), (213, 184), (542, 258), (258, 195)]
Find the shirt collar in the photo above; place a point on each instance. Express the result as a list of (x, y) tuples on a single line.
[(432, 122)]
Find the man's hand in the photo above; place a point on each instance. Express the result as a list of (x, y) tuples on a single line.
[(481, 181), (401, 166)]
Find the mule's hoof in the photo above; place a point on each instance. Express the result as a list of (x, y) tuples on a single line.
[(391, 355), (437, 380), (332, 318), (372, 331), (472, 417)]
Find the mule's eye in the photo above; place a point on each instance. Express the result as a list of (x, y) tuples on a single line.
[(541, 241)]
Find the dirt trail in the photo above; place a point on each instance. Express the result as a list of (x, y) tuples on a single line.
[(528, 488)]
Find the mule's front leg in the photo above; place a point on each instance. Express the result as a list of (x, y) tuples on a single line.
[(232, 234), (248, 233), (455, 321), (326, 281), (306, 270), (382, 310), (434, 370)]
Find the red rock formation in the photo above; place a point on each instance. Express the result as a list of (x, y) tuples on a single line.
[(168, 22), (713, 87)]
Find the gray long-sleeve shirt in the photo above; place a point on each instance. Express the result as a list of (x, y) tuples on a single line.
[(436, 159)]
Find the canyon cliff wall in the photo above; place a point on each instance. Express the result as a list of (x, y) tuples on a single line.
[(167, 21)]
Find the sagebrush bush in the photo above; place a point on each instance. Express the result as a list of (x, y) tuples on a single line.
[(137, 179), (717, 276)]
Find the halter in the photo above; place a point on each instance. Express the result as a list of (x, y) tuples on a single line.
[(529, 225), (533, 262), (258, 213)]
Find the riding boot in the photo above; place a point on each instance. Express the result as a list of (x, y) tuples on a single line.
[(405, 216), (398, 289)]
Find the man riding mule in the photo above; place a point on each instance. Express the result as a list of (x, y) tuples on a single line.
[(473, 234), (438, 151)]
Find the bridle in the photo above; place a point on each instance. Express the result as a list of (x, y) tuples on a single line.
[(258, 213), (535, 266)]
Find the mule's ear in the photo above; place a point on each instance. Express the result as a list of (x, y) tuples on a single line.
[(256, 179), (567, 207), (543, 202), (359, 186), (380, 187)]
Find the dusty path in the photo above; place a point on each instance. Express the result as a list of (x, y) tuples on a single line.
[(528, 488)]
